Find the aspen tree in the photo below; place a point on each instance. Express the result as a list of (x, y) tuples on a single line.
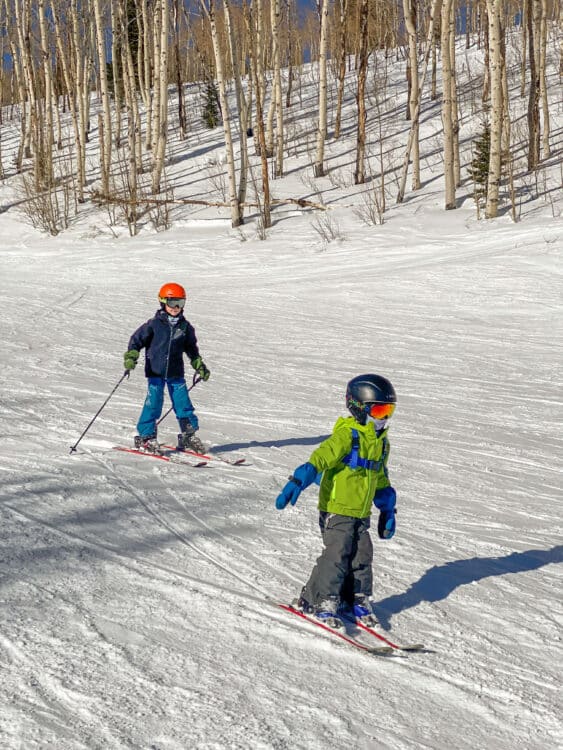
[(208, 7), (454, 107), (524, 47), (47, 136), (178, 70), (434, 84), (291, 49), (242, 105), (105, 120), (318, 167), (430, 40), (145, 68), (259, 77), (494, 11), (155, 54), (23, 55), (447, 123), (72, 85), (277, 88), (546, 151), (343, 12), (131, 101), (131, 109), (533, 114), (160, 129), (359, 174), (253, 21), (409, 10), (116, 40)]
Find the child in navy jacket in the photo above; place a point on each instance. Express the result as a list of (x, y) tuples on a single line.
[(166, 338)]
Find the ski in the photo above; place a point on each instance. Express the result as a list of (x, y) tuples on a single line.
[(208, 456), (395, 646), (351, 641), (171, 457)]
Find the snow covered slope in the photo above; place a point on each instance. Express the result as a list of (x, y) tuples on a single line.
[(136, 595)]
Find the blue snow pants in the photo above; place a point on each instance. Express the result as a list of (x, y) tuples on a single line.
[(152, 408)]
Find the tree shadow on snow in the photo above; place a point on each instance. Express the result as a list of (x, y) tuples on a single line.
[(439, 581), (269, 443)]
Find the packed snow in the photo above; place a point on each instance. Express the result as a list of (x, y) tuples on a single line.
[(138, 597)]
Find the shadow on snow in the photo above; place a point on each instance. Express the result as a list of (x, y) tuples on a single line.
[(439, 581), (269, 443)]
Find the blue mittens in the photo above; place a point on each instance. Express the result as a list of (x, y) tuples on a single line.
[(384, 500), (386, 524), (302, 477)]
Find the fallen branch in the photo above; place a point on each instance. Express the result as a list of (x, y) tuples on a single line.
[(104, 200)]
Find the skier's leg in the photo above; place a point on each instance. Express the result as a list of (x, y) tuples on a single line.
[(332, 566), (187, 418), (152, 408), (182, 403), (361, 563)]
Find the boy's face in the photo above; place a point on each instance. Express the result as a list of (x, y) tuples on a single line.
[(174, 311)]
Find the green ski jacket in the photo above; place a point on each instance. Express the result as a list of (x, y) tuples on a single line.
[(344, 490)]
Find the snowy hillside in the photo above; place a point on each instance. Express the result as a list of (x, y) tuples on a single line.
[(137, 597)]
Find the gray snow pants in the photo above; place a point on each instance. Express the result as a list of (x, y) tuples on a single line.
[(344, 567)]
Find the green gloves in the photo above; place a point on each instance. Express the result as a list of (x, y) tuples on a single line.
[(130, 359), (199, 366)]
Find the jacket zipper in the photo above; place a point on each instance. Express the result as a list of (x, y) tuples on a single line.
[(168, 355)]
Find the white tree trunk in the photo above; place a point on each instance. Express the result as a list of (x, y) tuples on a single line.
[(543, 80), (161, 84), (73, 87), (236, 215), (447, 123), (105, 143), (494, 10), (47, 137), (318, 166), (277, 87), (242, 105), (359, 173), (430, 47), (409, 10)]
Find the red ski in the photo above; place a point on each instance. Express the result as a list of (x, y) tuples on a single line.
[(372, 631), (170, 456), (351, 641), (207, 456)]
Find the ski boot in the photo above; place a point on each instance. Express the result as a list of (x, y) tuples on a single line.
[(303, 606), (327, 612), (362, 610), (146, 443), (188, 440)]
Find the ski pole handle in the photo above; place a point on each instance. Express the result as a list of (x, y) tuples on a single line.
[(195, 381), (121, 379)]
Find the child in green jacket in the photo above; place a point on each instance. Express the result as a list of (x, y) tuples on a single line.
[(353, 464)]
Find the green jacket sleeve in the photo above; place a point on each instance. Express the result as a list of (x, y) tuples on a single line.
[(332, 450)]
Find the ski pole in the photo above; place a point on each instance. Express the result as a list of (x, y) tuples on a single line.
[(195, 381), (121, 379)]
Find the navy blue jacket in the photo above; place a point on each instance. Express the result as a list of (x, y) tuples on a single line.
[(165, 345)]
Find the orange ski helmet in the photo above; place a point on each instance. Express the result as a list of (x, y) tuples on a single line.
[(171, 291)]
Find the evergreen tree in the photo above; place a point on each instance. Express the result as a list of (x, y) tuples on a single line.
[(479, 169), (211, 108)]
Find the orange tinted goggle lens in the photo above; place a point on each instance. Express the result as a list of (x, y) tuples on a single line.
[(381, 411)]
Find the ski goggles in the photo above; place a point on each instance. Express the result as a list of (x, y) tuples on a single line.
[(174, 302), (380, 411)]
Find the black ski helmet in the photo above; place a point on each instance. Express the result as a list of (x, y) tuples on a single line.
[(368, 389)]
